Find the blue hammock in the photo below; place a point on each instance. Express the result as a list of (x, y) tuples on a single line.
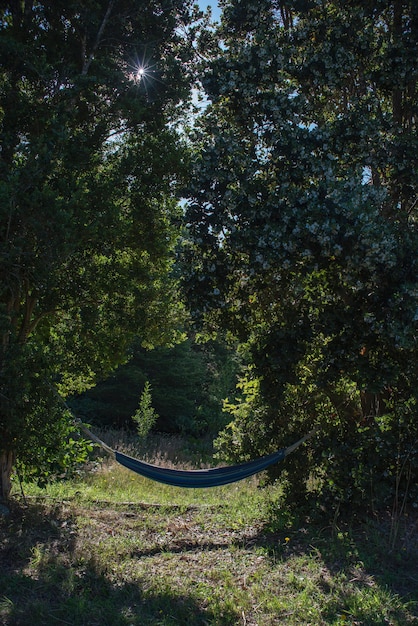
[(213, 477)]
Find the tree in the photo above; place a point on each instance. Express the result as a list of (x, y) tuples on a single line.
[(303, 219), (90, 164), (145, 416)]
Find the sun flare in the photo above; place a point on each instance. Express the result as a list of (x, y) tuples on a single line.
[(141, 73)]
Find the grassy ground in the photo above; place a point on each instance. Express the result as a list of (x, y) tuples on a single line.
[(111, 548)]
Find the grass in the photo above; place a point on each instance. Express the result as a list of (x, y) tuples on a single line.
[(112, 549)]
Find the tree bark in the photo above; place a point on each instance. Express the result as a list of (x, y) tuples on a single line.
[(6, 465)]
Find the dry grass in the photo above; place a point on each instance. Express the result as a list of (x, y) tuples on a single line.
[(166, 450)]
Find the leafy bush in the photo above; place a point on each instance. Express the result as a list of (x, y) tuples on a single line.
[(349, 464)]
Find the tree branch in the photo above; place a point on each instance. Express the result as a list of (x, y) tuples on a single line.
[(87, 62)]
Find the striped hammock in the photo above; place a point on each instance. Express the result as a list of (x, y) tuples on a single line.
[(213, 477)]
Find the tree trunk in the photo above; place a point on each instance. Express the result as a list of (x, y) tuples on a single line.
[(374, 404), (6, 466)]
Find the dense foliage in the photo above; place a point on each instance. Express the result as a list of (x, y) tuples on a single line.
[(187, 381), (303, 222), (90, 164)]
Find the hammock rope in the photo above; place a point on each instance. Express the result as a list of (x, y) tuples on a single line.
[(197, 479)]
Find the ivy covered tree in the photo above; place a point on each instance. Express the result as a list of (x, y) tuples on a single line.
[(90, 165), (303, 223)]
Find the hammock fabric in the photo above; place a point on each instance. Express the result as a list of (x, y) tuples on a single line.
[(203, 478)]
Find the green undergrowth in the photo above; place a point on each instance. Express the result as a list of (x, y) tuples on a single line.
[(111, 548)]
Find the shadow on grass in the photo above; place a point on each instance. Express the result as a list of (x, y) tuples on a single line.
[(41, 586), (94, 602), (46, 578), (380, 576)]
